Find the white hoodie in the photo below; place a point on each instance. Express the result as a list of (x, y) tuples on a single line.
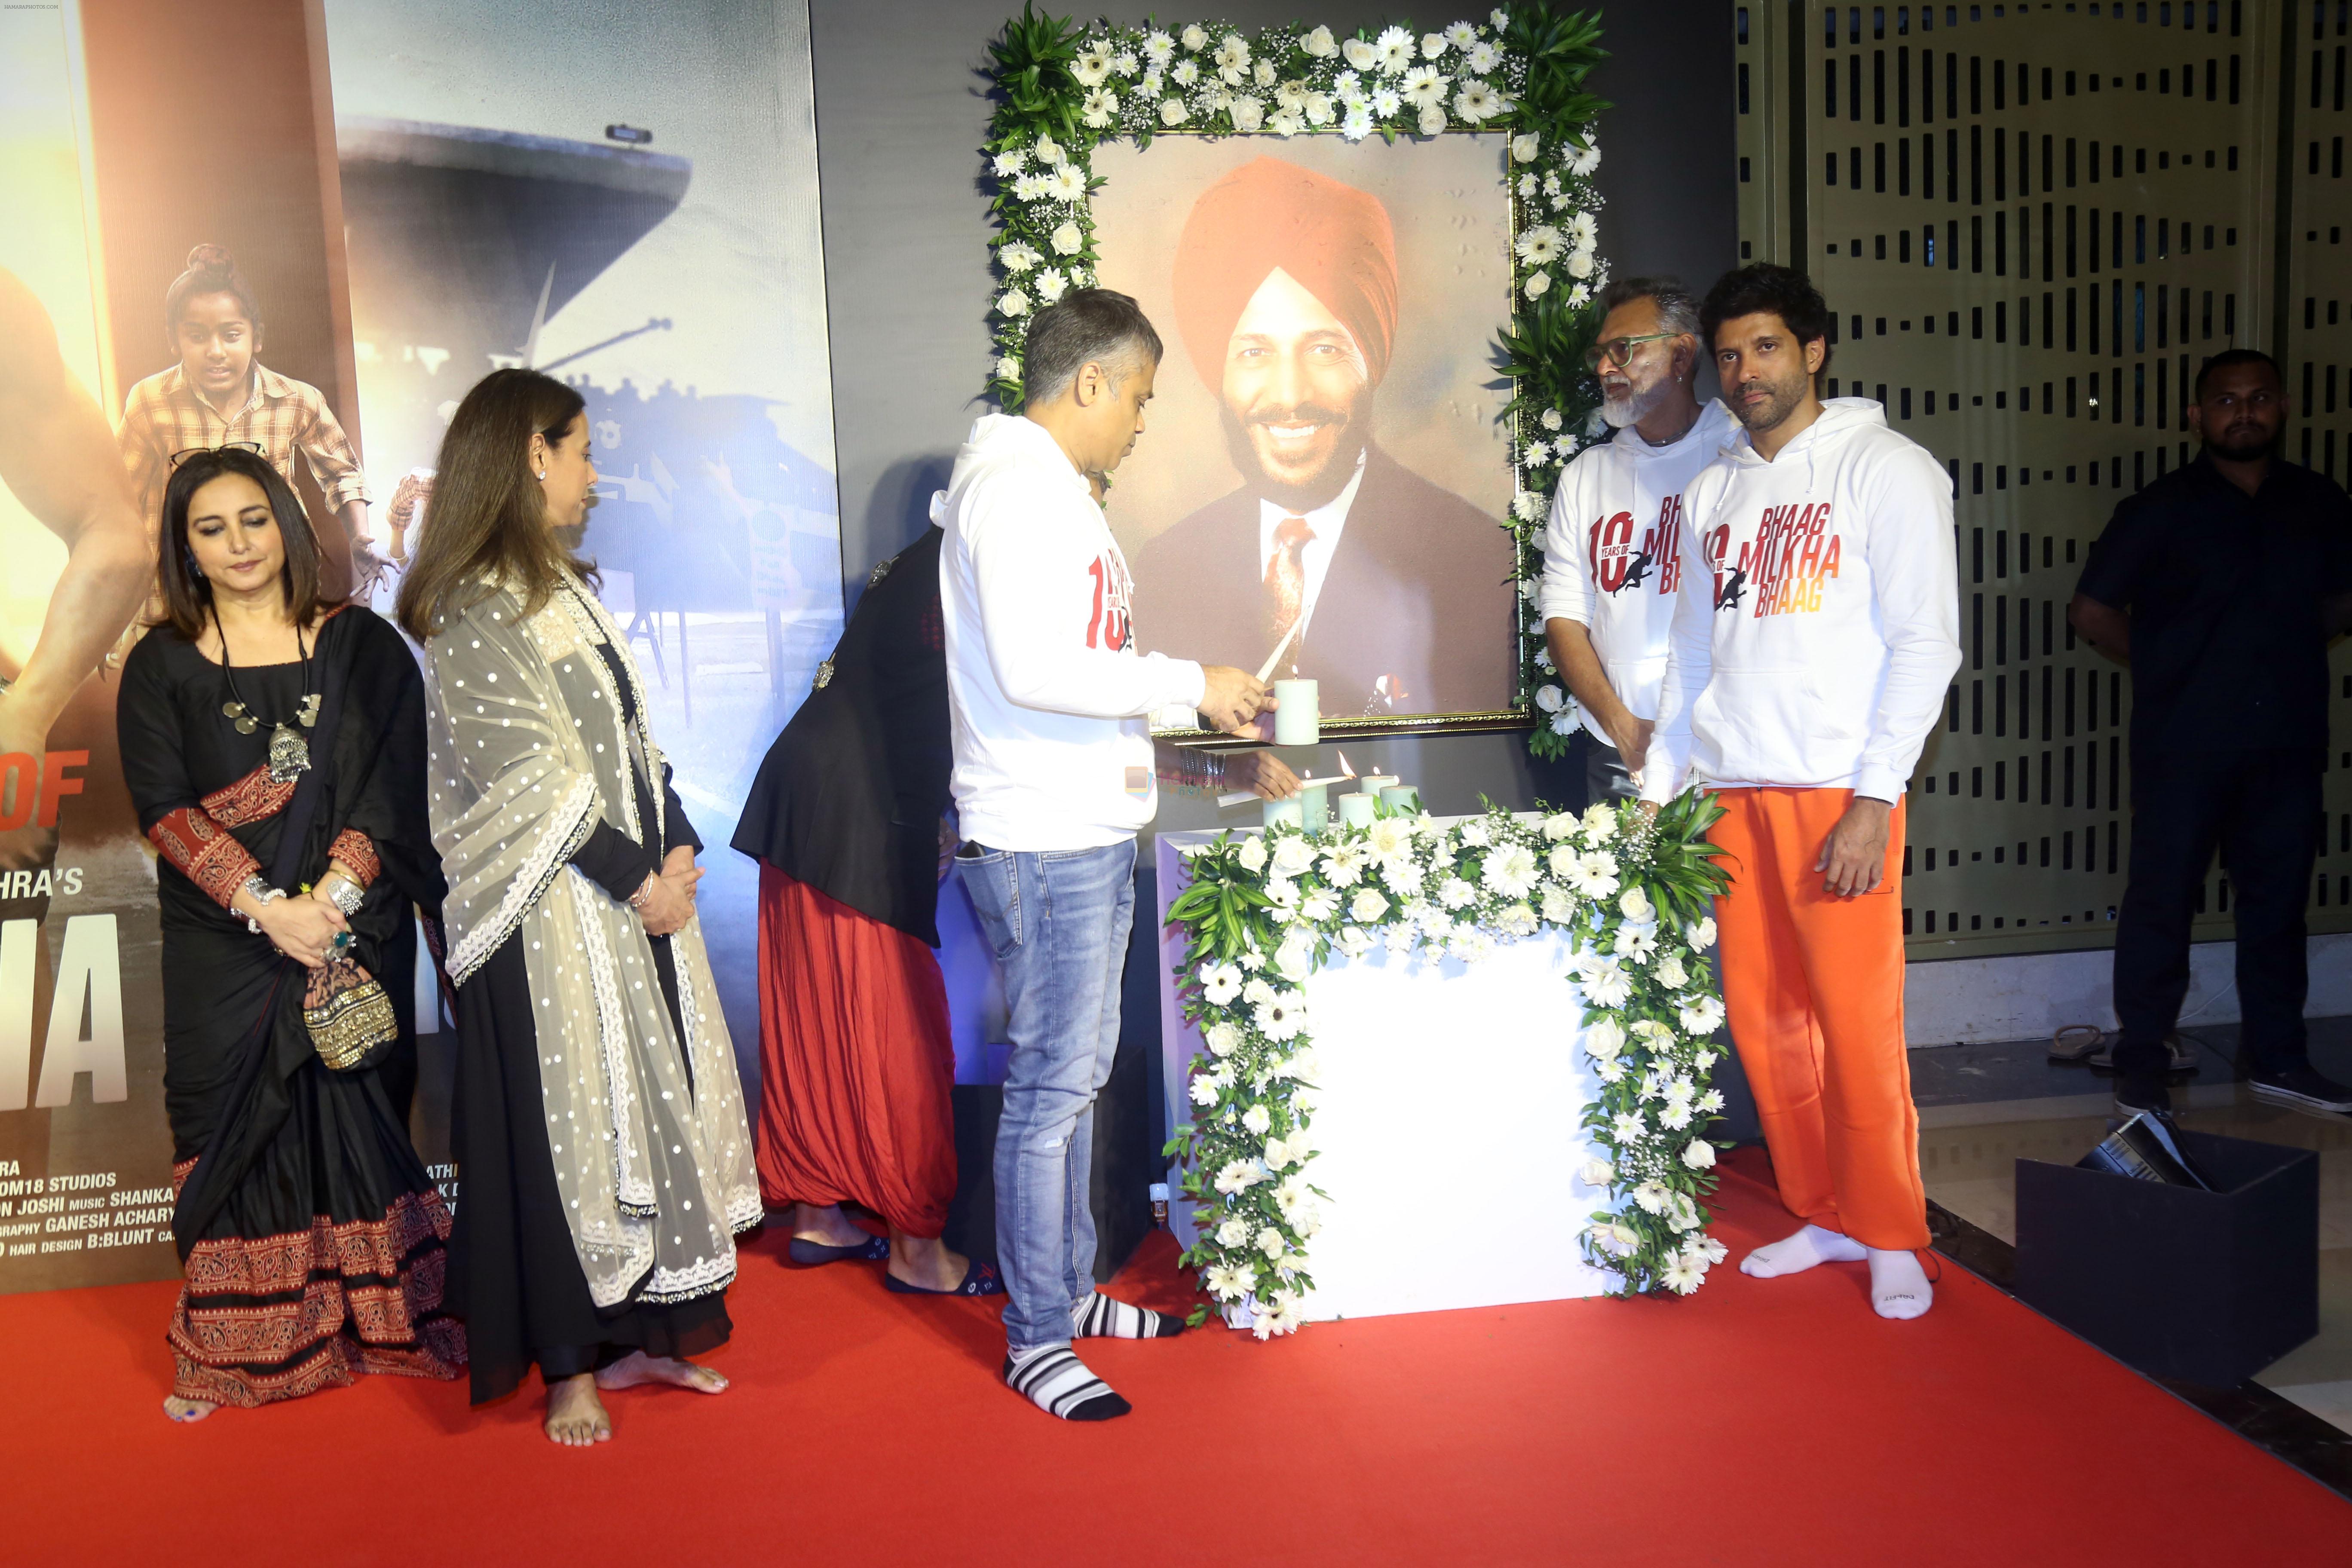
[(1046, 690), (1818, 625), (1612, 551)]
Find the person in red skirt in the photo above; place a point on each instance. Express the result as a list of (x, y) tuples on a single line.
[(847, 819)]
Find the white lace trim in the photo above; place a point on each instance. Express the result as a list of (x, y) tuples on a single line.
[(596, 624), (568, 827), (635, 1192), (744, 1206)]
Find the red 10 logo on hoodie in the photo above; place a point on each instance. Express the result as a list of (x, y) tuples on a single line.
[(1780, 571), (1617, 565), (1108, 621)]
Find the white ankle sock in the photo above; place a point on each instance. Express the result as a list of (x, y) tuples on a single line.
[(1098, 1317), (1795, 1254), (1898, 1286), (1055, 1381)]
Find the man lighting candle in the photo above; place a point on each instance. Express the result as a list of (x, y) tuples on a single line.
[(1048, 697), (1817, 630)]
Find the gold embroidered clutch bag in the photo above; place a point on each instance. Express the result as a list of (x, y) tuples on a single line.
[(348, 1013)]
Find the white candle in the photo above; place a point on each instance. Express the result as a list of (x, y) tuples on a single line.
[(1295, 713), (1292, 811), (1372, 784)]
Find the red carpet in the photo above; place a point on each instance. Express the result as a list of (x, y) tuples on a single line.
[(1761, 1422)]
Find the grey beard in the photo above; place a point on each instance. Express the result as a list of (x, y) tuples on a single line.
[(1634, 407)]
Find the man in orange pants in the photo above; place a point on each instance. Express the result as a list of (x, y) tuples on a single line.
[(1817, 632)]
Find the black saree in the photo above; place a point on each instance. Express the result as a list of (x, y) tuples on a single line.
[(313, 1241)]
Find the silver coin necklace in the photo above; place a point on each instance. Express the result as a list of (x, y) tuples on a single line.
[(290, 749)]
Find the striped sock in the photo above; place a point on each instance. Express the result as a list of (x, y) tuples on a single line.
[(1098, 1317), (1056, 1382)]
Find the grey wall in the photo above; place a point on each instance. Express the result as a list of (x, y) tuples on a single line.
[(901, 110)]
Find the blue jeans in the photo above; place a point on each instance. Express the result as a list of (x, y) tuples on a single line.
[(1058, 921)]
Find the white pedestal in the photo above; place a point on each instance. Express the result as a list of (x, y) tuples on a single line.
[(1448, 1128)]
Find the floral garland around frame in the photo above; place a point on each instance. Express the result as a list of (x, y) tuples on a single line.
[(1264, 911), (1066, 87)]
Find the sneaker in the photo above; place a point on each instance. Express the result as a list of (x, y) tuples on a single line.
[(2302, 1088), (2132, 1099)]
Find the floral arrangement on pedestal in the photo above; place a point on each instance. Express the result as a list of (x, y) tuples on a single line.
[(1065, 87), (1263, 910)]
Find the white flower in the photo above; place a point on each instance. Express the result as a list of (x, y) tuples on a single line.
[(1186, 73), (1477, 102), (1472, 946), (1013, 303), (1633, 942), (1343, 865), (1636, 905), (1283, 891), (1563, 723), (1359, 53), (1283, 1017), (1698, 1153), (1262, 74), (1291, 94), (1226, 1281), (1018, 256), (1529, 506), (1252, 853), (1389, 836), (1067, 182), (1432, 121), (1049, 151), (1068, 239), (1600, 822), (1233, 52), (1585, 161), (1675, 1116), (1510, 873), (1559, 825), (1318, 906), (1258, 1119), (1248, 113), (1295, 959), (1596, 1173), (1582, 231), (1627, 1127), (1220, 983), (1355, 942), (1523, 146), (1462, 34), (1281, 1152), (1392, 51), (1456, 894), (1551, 419), (1536, 286), (1050, 285), (1149, 86), (1606, 984), (1483, 55), (1580, 264), (1528, 186), (1100, 105), (1518, 920), (1269, 1241), (1287, 122), (1238, 1175), (1235, 1231), (1092, 65), (1029, 188), (1551, 699), (1670, 973), (1702, 935), (1701, 1062), (1204, 1091), (1432, 45), (1195, 38), (1368, 906), (1701, 1017), (1424, 87), (1222, 1038), (1172, 112), (1158, 46), (1319, 108), (1539, 246), (1385, 101), (1501, 19), (1473, 835), (1604, 1040), (1010, 162), (1654, 1196), (1681, 1276), (1293, 854), (1008, 368), (1403, 875), (1125, 63), (1258, 992), (1320, 44), (1558, 906)]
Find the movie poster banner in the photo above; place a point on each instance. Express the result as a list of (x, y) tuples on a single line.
[(412, 193)]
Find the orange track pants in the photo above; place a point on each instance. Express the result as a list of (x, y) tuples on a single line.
[(1813, 988)]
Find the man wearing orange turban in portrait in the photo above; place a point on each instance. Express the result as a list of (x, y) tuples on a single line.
[(1388, 591)]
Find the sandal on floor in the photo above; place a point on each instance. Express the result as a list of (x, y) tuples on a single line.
[(809, 1254), (979, 1280)]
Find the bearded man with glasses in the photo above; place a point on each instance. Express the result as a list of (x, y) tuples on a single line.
[(1613, 562)]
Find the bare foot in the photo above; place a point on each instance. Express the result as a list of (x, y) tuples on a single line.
[(1795, 1254), (1898, 1286), (826, 1226), (637, 1367), (925, 1262), (575, 1416), (184, 1410)]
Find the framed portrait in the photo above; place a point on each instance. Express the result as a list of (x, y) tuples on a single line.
[(1326, 471)]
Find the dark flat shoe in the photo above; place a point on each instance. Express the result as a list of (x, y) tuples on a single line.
[(809, 1254), (979, 1280)]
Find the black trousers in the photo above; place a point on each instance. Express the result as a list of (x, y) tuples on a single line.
[(2261, 809)]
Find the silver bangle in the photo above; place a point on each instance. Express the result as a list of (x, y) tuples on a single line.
[(262, 893), (644, 891), (348, 897)]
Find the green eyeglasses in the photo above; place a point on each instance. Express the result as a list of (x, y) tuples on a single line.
[(1618, 350)]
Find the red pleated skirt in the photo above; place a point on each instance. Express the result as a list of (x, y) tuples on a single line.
[(856, 1062)]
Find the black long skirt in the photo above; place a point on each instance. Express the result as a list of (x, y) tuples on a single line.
[(513, 1274)]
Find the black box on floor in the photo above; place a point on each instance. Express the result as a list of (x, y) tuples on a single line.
[(2207, 1287)]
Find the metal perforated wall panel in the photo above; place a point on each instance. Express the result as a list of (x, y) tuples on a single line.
[(2033, 222)]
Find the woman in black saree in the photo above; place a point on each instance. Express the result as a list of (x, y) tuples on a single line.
[(275, 748)]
